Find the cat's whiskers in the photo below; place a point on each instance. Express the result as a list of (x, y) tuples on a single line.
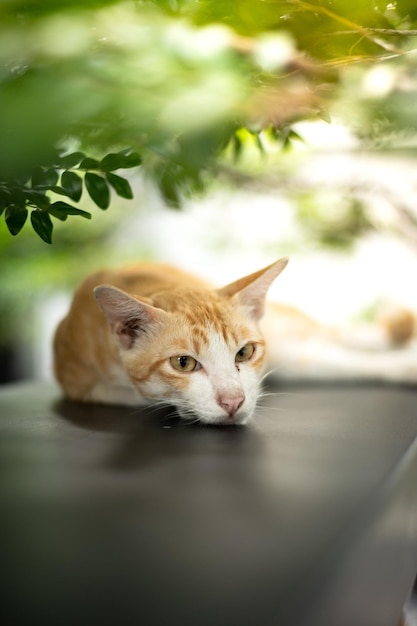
[(271, 371), (185, 411), (262, 407), (163, 404), (266, 394), (266, 407), (264, 411), (154, 407), (158, 404), (136, 411), (190, 420)]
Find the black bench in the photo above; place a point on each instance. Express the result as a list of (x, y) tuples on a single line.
[(306, 517)]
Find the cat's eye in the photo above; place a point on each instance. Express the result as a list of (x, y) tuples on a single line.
[(245, 353), (184, 363)]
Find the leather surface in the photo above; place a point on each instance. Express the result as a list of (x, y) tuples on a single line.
[(306, 516)]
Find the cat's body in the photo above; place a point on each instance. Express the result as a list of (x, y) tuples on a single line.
[(172, 339), (152, 333)]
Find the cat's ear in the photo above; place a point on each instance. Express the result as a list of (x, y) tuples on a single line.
[(127, 316), (251, 290)]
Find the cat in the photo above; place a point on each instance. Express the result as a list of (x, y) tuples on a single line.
[(153, 333)]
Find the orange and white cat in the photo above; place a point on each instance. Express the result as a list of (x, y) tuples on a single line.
[(152, 333)]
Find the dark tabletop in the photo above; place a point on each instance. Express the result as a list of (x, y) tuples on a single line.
[(308, 516)]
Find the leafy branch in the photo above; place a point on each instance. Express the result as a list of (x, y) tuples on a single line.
[(67, 175), (182, 83)]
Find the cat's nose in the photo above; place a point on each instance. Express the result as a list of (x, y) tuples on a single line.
[(231, 404)]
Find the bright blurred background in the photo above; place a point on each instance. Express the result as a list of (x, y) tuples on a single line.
[(263, 128)]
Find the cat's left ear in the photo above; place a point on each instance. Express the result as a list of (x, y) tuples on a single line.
[(127, 316), (251, 290)]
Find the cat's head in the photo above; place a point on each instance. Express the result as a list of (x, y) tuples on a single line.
[(198, 349)]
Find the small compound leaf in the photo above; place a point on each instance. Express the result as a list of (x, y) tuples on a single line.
[(38, 198), (61, 210), (112, 161), (98, 190), (37, 177), (120, 160), (120, 185), (17, 197), (169, 188), (51, 175), (89, 164), (21, 179), (60, 191), (132, 160), (5, 199), (72, 183), (15, 217), (69, 161), (44, 178), (60, 215), (42, 225)]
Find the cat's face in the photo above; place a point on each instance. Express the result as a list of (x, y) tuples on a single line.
[(210, 369), (199, 350)]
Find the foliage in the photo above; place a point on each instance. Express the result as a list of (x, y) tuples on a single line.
[(180, 83), (65, 176)]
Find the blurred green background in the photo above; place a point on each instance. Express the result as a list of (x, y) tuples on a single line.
[(214, 99)]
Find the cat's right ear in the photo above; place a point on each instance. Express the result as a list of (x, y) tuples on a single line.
[(127, 316), (250, 291)]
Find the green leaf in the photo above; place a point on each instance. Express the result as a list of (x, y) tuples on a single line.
[(38, 198), (51, 176), (120, 160), (120, 185), (5, 199), (60, 191), (237, 147), (69, 161), (72, 183), (89, 164), (112, 162), (44, 178), (169, 188), (132, 160), (61, 210), (42, 225), (98, 190), (15, 217), (17, 197), (20, 180)]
